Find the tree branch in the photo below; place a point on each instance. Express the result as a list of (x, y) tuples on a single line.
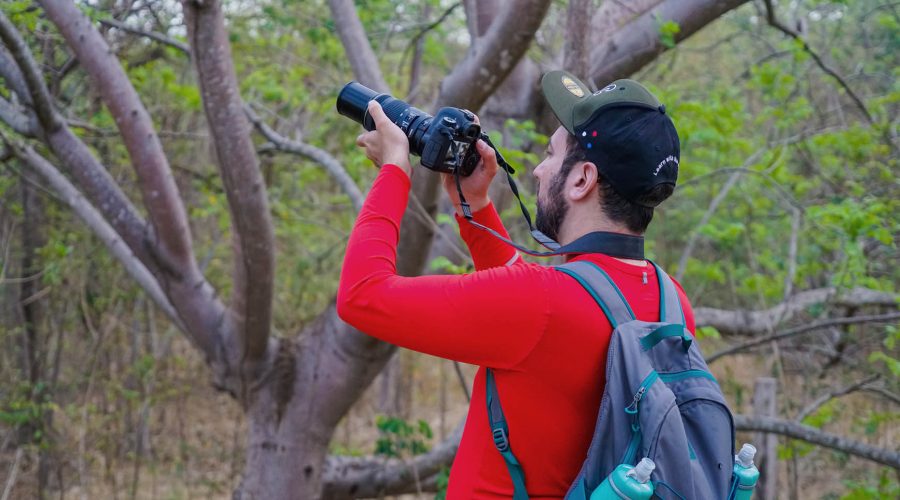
[(40, 97), (21, 123), (742, 322), (354, 477), (93, 179), (158, 188), (495, 55), (244, 185), (159, 37), (13, 77), (821, 400), (356, 45), (187, 290), (320, 156), (638, 43), (576, 48), (794, 430), (98, 225), (853, 320), (775, 23), (611, 16)]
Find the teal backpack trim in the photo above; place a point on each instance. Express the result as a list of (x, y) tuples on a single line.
[(500, 433), (666, 331)]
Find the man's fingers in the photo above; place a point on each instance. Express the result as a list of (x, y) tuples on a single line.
[(488, 155), (378, 115), (361, 140)]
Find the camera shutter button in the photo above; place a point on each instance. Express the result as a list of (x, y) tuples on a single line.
[(448, 121)]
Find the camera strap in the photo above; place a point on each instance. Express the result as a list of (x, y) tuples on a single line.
[(624, 246)]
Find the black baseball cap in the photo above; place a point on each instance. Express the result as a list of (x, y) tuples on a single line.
[(624, 129)]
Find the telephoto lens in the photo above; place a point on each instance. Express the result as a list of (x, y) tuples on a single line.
[(445, 144), (353, 102)]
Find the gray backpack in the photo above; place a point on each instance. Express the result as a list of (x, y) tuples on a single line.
[(660, 401)]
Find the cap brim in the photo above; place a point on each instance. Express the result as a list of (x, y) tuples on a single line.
[(563, 91)]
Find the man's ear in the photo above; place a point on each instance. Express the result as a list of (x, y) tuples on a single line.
[(582, 180)]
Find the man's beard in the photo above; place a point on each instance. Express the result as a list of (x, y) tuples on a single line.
[(551, 215)]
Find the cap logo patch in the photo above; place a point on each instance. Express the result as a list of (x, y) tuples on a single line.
[(572, 87), (611, 86), (669, 159)]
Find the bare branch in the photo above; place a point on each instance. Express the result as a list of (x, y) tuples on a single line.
[(356, 45), (159, 37), (638, 43), (821, 400), (489, 62), (244, 185), (743, 322), (794, 430), (40, 97), (353, 477), (775, 23), (853, 320), (578, 35), (796, 220), (320, 156), (158, 188), (93, 179), (15, 81), (98, 225), (886, 394), (17, 120), (12, 474), (612, 15)]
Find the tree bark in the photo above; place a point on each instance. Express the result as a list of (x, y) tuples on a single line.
[(194, 299), (579, 19), (495, 55), (160, 194), (794, 430), (638, 42), (356, 45), (748, 322), (254, 256)]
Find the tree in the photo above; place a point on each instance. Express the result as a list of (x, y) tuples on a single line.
[(294, 389)]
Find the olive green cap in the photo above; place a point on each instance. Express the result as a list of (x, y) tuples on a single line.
[(574, 104)]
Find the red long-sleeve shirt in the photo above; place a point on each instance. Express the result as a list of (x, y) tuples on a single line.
[(540, 331)]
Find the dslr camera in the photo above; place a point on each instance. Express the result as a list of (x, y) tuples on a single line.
[(445, 141)]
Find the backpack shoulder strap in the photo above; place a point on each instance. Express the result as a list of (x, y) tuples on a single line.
[(670, 310), (602, 289), (500, 433)]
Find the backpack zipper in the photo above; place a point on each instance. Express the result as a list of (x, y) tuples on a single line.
[(648, 381), (632, 409)]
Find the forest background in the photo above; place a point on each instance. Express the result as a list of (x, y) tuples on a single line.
[(177, 191)]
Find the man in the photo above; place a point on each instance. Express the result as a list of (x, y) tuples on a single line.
[(614, 158)]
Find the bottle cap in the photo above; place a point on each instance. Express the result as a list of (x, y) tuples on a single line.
[(641, 472), (745, 456)]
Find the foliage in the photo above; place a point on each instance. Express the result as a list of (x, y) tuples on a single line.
[(401, 439)]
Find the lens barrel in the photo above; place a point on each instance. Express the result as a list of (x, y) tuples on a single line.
[(353, 102)]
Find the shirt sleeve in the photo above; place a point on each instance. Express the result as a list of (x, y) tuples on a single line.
[(487, 251), (492, 317)]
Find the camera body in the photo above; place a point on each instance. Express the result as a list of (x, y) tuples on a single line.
[(445, 141)]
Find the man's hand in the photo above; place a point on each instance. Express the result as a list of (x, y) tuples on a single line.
[(387, 144), (475, 187)]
